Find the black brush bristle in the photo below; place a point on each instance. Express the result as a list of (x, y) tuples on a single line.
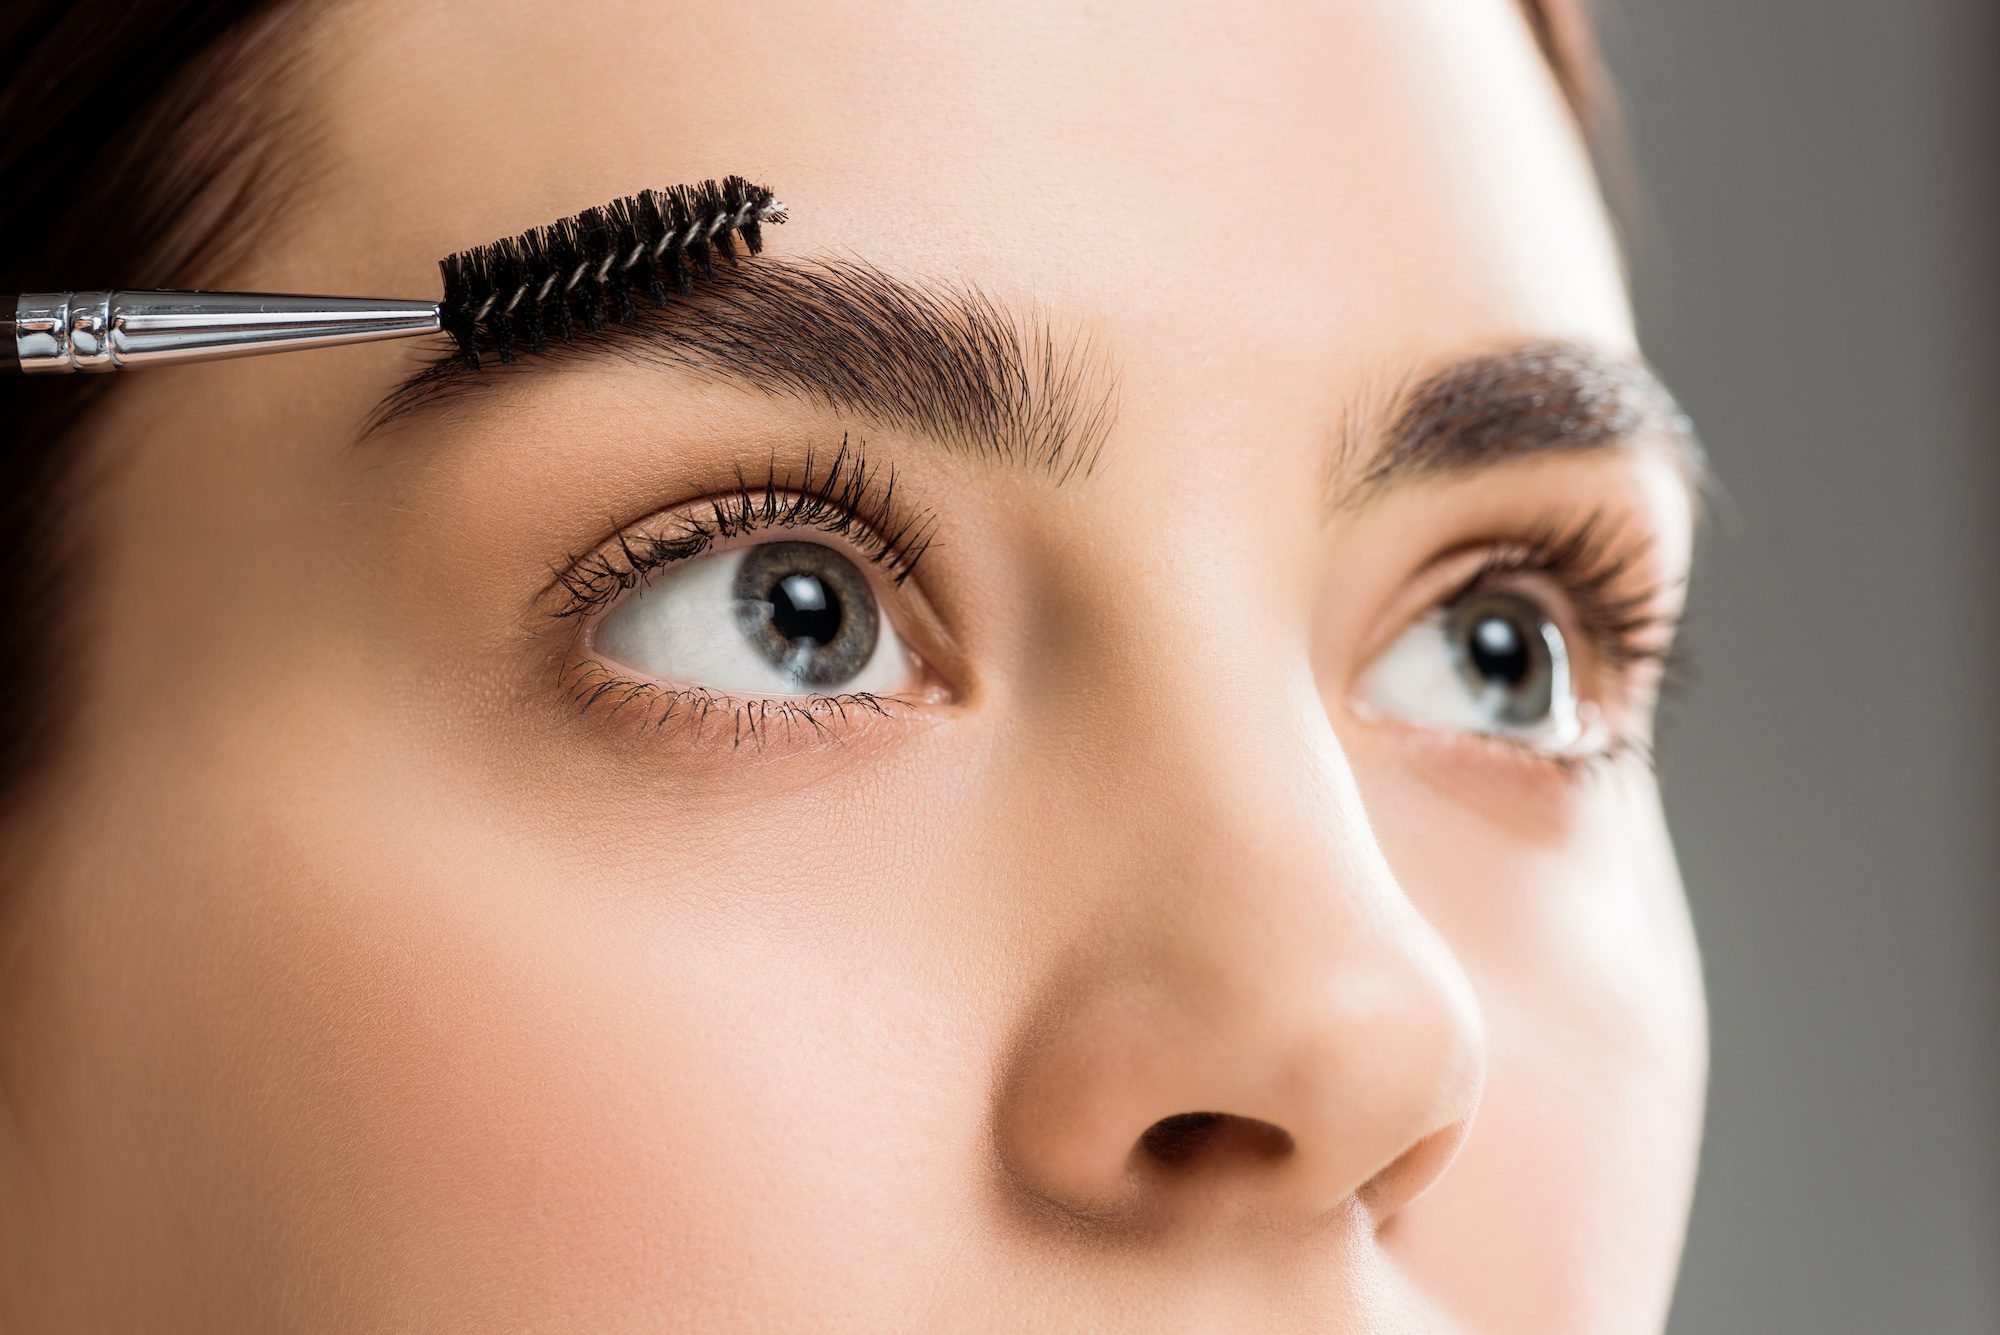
[(502, 273), (591, 240), (526, 293)]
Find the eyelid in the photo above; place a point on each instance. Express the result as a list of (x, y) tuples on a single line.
[(1594, 568), (593, 683), (1593, 578), (1546, 775), (904, 604), (591, 686), (832, 497), (1587, 567), (842, 495)]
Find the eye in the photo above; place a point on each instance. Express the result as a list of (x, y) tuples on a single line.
[(774, 619), (1489, 662)]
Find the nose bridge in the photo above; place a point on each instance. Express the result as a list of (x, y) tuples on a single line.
[(1229, 774), (1242, 975), (1193, 701)]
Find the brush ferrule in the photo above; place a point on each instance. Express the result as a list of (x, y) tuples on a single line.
[(57, 333)]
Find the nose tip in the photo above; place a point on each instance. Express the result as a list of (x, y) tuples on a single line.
[(1171, 1099)]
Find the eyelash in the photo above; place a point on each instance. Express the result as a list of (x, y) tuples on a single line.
[(844, 497), (847, 498), (588, 684), (1615, 610), (1589, 564)]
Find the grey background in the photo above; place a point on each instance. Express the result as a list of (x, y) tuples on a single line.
[(1817, 265)]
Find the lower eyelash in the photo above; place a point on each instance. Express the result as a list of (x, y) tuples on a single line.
[(1573, 770), (591, 686), (1615, 750)]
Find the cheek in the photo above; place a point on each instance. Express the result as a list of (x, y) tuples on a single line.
[(1584, 962), (500, 1085), (469, 1091)]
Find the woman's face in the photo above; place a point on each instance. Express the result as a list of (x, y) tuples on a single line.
[(555, 864)]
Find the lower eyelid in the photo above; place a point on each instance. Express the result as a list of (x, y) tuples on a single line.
[(1495, 768), (595, 690)]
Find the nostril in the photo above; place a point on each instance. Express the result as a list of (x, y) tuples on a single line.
[(1176, 1141)]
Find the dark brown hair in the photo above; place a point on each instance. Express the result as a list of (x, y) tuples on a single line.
[(142, 145), (125, 161)]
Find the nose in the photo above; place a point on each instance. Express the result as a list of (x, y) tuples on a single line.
[(1250, 1017)]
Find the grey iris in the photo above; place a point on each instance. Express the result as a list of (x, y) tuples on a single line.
[(1508, 653), (807, 610)]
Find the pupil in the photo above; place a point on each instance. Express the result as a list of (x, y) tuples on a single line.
[(1500, 651), (804, 610)]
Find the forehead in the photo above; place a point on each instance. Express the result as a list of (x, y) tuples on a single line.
[(1338, 173)]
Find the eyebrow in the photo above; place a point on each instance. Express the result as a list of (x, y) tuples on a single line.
[(1521, 401), (946, 361)]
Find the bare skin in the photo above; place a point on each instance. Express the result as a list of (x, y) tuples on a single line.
[(365, 984)]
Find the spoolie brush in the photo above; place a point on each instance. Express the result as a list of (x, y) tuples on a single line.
[(518, 295), (528, 291)]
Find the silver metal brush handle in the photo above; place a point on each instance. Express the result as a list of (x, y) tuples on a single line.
[(59, 332)]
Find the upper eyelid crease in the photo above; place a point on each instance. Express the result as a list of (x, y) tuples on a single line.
[(846, 496)]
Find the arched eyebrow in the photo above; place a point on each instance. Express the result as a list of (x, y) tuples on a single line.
[(949, 363), (1498, 407), (945, 361)]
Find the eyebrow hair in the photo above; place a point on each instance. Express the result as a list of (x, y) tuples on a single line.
[(1522, 401), (949, 362), (944, 360)]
